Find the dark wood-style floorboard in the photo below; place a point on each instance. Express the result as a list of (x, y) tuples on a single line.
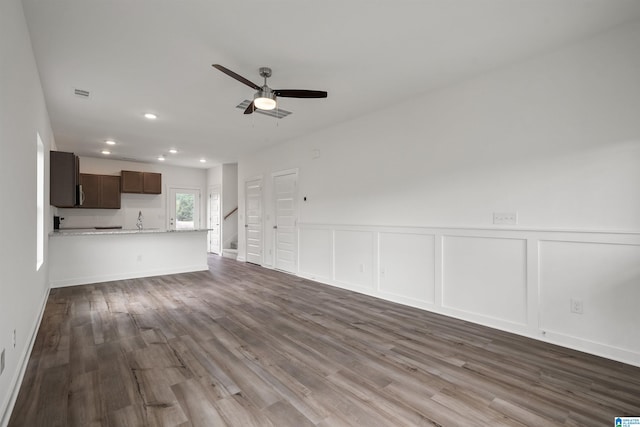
[(242, 345)]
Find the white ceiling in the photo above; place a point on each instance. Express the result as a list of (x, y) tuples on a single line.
[(156, 55)]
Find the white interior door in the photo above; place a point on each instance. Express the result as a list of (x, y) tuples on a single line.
[(214, 220), (253, 220), (286, 218), (184, 208)]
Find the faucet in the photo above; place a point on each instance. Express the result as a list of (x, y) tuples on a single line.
[(139, 223)]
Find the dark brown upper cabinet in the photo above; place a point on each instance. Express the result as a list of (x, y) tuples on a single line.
[(131, 182), (141, 182), (63, 180), (99, 191), (152, 183)]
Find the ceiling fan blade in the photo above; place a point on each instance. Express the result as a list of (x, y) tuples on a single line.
[(238, 77), (250, 108), (300, 93)]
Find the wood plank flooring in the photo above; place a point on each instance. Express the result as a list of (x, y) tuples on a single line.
[(241, 345)]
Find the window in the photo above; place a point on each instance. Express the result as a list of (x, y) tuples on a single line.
[(184, 211), (39, 202), (184, 208)]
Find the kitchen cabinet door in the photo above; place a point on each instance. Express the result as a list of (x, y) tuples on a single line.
[(110, 192), (131, 181), (100, 191), (63, 179), (152, 183), (90, 191)]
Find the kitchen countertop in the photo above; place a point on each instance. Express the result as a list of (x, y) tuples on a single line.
[(94, 232)]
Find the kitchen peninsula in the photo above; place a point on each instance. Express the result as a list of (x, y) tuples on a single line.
[(84, 256)]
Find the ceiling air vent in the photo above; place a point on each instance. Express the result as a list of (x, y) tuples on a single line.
[(81, 92), (277, 112)]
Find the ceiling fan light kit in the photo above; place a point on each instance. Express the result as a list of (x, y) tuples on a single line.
[(265, 97)]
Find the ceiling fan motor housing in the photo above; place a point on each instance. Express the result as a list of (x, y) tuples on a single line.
[(265, 92)]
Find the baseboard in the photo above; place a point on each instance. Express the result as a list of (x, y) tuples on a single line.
[(86, 280), (7, 407)]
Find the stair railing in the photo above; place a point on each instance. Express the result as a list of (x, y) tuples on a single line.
[(234, 210)]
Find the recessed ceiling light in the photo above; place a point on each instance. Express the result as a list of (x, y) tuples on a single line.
[(106, 152), (150, 116), (161, 158), (203, 160), (173, 151), (110, 142)]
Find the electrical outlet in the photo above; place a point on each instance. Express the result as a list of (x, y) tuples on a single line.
[(2, 362), (576, 306), (14, 338), (361, 268), (505, 218)]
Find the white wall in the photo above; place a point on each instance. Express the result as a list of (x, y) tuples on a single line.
[(555, 139), (152, 206), (214, 176), (23, 290)]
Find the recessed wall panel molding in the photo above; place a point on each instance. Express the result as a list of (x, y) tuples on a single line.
[(486, 276), (407, 267), (569, 287), (316, 253), (354, 258), (590, 291)]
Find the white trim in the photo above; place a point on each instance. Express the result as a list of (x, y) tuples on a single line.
[(243, 257), (254, 178), (16, 383), (211, 189), (274, 241), (285, 172), (418, 228)]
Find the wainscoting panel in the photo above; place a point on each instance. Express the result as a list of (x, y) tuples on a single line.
[(517, 280), (354, 258), (602, 278), (407, 268), (316, 253), (486, 276)]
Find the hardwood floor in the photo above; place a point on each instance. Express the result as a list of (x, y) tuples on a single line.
[(241, 345)]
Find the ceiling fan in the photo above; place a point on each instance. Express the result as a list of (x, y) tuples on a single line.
[(265, 97)]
